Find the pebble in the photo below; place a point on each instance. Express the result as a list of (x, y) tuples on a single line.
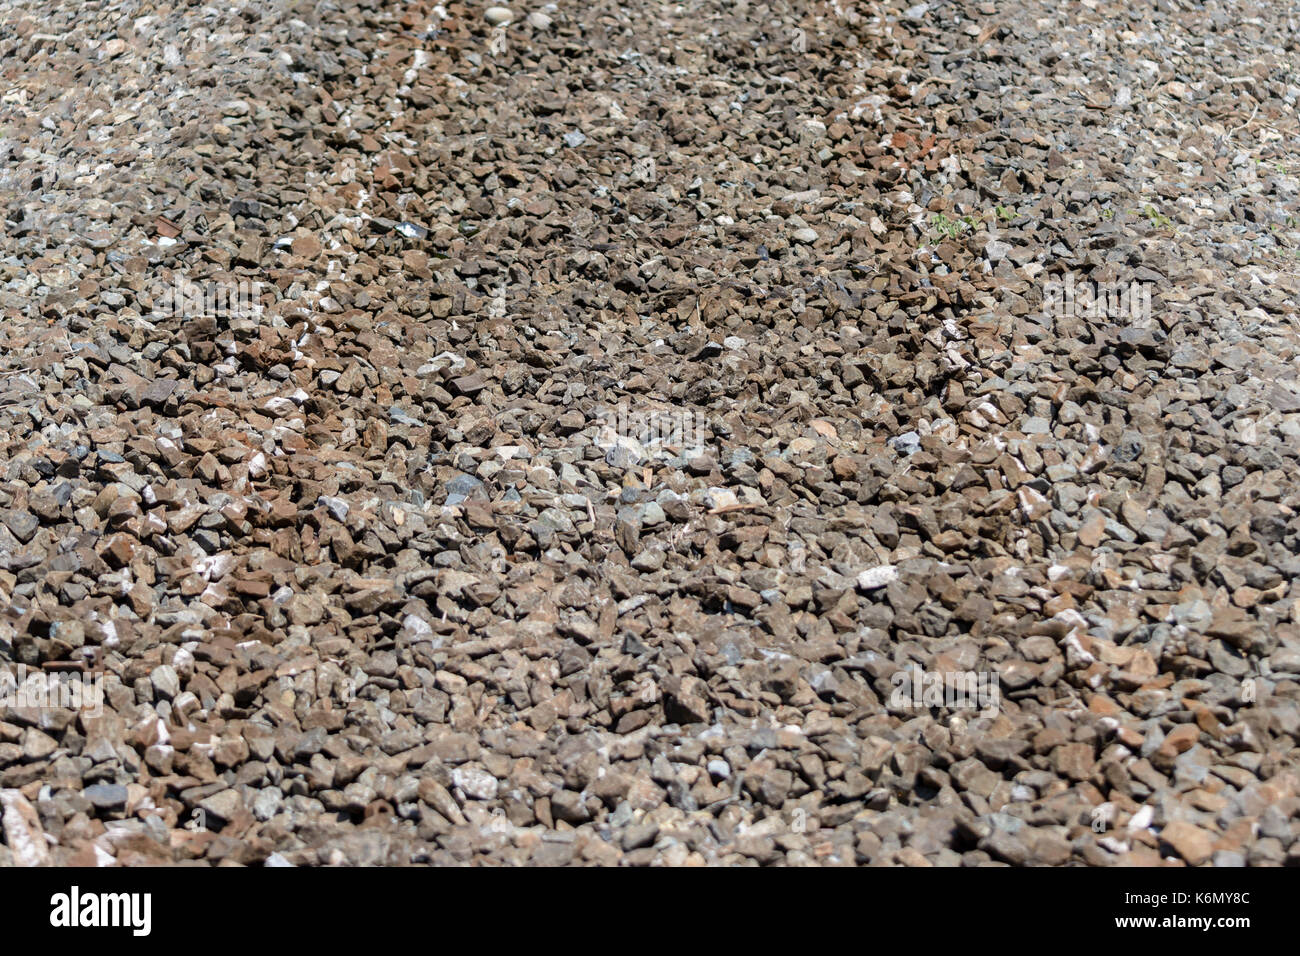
[(106, 796), (875, 578)]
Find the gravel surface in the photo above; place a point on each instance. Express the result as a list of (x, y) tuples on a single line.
[(650, 434)]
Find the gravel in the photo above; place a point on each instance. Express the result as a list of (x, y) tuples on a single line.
[(645, 433)]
